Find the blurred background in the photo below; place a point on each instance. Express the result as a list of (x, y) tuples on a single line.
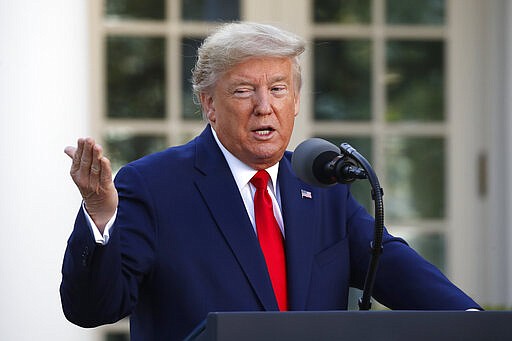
[(421, 88)]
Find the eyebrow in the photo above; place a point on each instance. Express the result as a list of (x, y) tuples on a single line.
[(241, 80)]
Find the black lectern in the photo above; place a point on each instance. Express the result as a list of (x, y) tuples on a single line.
[(356, 325)]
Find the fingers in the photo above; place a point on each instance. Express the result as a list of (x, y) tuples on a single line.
[(86, 168), (73, 153), (76, 155), (70, 151), (106, 172), (85, 155), (95, 169)]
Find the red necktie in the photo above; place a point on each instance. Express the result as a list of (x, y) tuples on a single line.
[(270, 238)]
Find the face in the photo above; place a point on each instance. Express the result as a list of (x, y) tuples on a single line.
[(252, 108)]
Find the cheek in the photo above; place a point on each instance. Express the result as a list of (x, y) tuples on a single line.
[(290, 113), (229, 127), (289, 129)]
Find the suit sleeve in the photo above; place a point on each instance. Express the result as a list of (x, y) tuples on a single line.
[(100, 283), (404, 280)]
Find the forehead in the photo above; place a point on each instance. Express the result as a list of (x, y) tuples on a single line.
[(258, 69)]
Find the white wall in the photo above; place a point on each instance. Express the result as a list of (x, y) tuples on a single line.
[(43, 107)]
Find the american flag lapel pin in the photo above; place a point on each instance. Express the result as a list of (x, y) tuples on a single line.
[(305, 194)]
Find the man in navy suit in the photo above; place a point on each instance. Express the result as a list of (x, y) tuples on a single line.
[(175, 237)]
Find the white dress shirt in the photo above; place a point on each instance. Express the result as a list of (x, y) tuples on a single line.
[(243, 175)]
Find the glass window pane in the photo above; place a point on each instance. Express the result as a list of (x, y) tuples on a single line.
[(342, 89), (429, 245), (415, 81), (211, 10), (124, 148), (361, 189), (346, 12), (135, 77), (417, 12), (189, 57), (415, 177), (135, 9)]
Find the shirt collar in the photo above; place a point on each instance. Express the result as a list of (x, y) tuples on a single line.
[(242, 172)]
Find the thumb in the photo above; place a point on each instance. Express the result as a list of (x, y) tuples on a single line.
[(70, 151)]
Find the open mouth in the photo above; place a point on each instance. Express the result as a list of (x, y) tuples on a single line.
[(264, 131)]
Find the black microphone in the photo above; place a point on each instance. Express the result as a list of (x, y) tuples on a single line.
[(320, 163)]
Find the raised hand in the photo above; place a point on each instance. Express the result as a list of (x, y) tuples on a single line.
[(92, 174)]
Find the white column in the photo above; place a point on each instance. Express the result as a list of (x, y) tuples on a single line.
[(495, 255), (466, 87), (508, 114), (44, 81), (500, 165), (497, 224), (481, 81)]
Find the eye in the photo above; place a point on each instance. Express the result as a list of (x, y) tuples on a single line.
[(243, 91), (279, 89)]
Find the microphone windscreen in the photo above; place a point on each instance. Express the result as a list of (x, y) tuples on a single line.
[(310, 158)]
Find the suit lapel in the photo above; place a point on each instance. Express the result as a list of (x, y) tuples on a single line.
[(297, 201), (221, 195)]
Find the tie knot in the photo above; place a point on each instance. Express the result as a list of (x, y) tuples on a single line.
[(260, 179)]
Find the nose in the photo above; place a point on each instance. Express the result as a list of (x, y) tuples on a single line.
[(263, 105)]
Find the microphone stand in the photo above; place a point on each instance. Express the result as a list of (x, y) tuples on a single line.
[(376, 245)]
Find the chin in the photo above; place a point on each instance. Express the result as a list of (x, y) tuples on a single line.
[(269, 157)]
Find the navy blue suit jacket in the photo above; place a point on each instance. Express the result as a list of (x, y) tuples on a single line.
[(183, 246)]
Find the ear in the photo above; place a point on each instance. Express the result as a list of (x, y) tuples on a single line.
[(208, 106), (296, 104)]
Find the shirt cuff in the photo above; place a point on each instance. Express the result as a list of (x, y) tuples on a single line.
[(98, 237)]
